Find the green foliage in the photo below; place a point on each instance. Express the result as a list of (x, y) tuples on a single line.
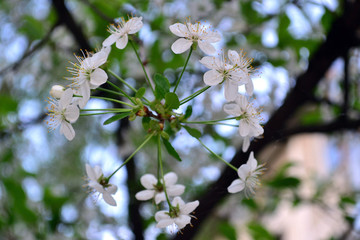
[(193, 132), (170, 149), (312, 117), (8, 104), (32, 28), (162, 86), (171, 101), (227, 230), (188, 112), (116, 117), (140, 93), (259, 232), (282, 181)]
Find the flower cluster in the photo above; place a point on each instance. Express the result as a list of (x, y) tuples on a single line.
[(158, 114)]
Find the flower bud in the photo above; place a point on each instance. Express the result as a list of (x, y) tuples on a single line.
[(56, 91)]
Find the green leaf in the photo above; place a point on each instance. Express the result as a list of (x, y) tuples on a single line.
[(146, 123), (188, 112), (193, 132), (32, 28), (259, 232), (116, 117), (171, 101), (140, 93), (171, 150), (284, 182), (250, 203), (227, 230), (162, 86), (8, 104)]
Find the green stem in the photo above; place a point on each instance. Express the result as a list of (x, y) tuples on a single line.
[(197, 93), (110, 91), (91, 114), (142, 65), (229, 164), (182, 72), (215, 123), (122, 80), (122, 91), (114, 100), (107, 109), (130, 157), (210, 121), (162, 172)]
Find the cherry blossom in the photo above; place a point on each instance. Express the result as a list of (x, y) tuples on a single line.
[(248, 177), (249, 125), (119, 34), (88, 75), (100, 184), (62, 113), (178, 215), (155, 188), (57, 91), (191, 33)]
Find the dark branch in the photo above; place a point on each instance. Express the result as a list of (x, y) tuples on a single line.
[(65, 17)]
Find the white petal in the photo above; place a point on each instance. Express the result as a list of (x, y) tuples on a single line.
[(134, 25), (161, 215), (178, 201), (252, 163), (100, 57), (189, 207), (209, 62), (98, 77), (181, 45), (243, 128), (233, 56), (57, 91), (110, 40), (249, 88), (109, 199), (84, 91), (179, 30), (95, 185), (244, 171), (67, 130), (148, 181), (160, 197), (90, 172), (165, 222), (145, 195), (206, 47), (175, 190), (112, 189), (212, 37), (242, 101), (122, 42), (231, 91), (182, 221), (236, 186), (66, 98), (98, 172), (72, 113), (170, 178), (257, 130), (246, 144), (212, 77), (232, 109)]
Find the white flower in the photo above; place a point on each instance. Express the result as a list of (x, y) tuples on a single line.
[(248, 177), (155, 188), (56, 91), (244, 64), (179, 214), (191, 33), (249, 125), (63, 113), (221, 71), (88, 75), (119, 34), (100, 184)]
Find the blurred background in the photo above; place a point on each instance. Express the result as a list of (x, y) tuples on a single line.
[(307, 59)]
